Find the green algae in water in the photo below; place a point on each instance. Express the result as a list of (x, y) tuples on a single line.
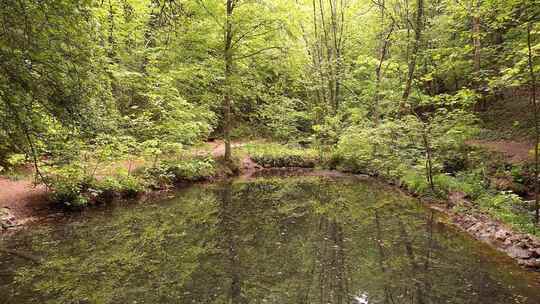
[(270, 240)]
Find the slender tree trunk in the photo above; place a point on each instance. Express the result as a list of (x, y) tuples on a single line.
[(382, 55), (429, 162), (329, 22), (536, 124), (149, 33), (228, 73), (476, 37), (317, 47), (382, 51), (477, 48), (414, 55), (112, 42)]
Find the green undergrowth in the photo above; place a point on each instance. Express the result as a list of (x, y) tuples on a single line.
[(72, 186), (505, 206), (75, 186), (272, 155)]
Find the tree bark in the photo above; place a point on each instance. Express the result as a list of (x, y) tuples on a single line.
[(429, 163), (536, 123), (382, 51), (477, 48), (228, 57), (414, 55), (476, 37)]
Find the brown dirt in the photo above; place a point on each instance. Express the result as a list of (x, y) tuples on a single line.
[(218, 147), (516, 152), (24, 200)]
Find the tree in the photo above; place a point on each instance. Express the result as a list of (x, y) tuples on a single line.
[(532, 81), (418, 26), (228, 58)]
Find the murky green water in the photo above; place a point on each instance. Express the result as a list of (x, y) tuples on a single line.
[(287, 240)]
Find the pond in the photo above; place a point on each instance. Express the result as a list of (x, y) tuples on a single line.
[(267, 240)]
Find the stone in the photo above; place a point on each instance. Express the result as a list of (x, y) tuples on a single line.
[(530, 263), (523, 244), (484, 235), (501, 235), (7, 220), (519, 253)]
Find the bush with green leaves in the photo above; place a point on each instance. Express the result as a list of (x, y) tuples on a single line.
[(415, 182), (282, 120), (194, 169), (68, 185), (73, 186), (130, 186), (168, 172), (394, 146), (105, 190), (387, 150), (281, 156), (16, 160)]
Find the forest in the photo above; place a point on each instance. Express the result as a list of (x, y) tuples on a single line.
[(108, 100)]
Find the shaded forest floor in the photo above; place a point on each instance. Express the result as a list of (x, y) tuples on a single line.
[(507, 128), (22, 199), (516, 152)]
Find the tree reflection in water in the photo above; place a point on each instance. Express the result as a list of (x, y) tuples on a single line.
[(269, 240)]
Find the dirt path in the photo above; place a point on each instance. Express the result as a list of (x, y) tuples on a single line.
[(21, 199), (516, 152), (218, 147)]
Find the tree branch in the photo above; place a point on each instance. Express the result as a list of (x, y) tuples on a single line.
[(257, 52)]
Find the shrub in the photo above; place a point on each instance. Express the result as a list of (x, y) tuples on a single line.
[(476, 183), (130, 186), (280, 156), (158, 177), (127, 186), (68, 185), (415, 182), (105, 190), (16, 160), (194, 169), (447, 184), (172, 171)]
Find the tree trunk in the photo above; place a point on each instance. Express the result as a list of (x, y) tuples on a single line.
[(382, 51), (414, 55), (476, 37), (429, 163), (536, 124), (227, 85), (477, 47)]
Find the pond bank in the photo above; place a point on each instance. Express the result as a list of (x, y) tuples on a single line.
[(523, 248)]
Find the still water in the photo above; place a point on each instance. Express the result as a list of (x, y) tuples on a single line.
[(267, 240)]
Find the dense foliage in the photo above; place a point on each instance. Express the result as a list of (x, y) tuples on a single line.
[(389, 88)]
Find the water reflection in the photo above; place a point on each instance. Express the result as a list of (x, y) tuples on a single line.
[(288, 240)]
